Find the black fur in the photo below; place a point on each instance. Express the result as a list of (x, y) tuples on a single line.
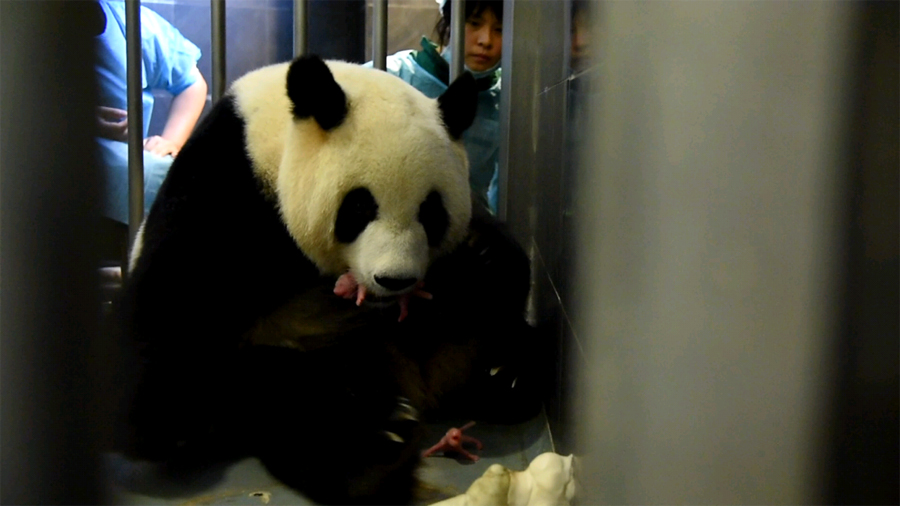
[(314, 92), (210, 223), (434, 218), (395, 284), (480, 292), (458, 105), (357, 210), (219, 304)]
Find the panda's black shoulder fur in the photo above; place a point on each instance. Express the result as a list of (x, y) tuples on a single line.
[(214, 256), (213, 221)]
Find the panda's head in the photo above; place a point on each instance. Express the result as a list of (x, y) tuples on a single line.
[(371, 176)]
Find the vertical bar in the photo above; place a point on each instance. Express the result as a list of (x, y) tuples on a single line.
[(567, 38), (457, 37), (134, 59), (379, 33), (53, 423), (217, 9), (722, 279), (506, 63), (301, 27)]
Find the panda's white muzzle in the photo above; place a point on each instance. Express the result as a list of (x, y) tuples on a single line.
[(388, 261)]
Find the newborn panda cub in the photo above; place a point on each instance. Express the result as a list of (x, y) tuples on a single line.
[(311, 282)]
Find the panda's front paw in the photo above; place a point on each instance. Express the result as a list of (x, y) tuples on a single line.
[(402, 421)]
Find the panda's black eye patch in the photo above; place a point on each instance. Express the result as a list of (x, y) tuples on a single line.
[(356, 212), (433, 216)]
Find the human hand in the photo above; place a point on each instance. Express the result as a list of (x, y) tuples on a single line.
[(161, 146), (112, 123)]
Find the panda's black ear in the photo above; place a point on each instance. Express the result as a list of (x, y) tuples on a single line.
[(458, 105), (314, 92)]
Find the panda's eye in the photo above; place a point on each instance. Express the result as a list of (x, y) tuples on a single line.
[(433, 216), (357, 210)]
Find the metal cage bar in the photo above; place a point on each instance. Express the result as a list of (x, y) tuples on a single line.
[(379, 33), (508, 66), (301, 27), (217, 10), (134, 59), (457, 37)]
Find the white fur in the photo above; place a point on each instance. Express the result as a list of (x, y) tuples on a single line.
[(381, 251), (392, 142)]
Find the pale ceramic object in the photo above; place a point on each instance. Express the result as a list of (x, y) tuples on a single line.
[(548, 481)]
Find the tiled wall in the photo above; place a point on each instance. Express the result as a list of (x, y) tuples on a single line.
[(547, 100)]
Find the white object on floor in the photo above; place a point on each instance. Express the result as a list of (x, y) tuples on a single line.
[(548, 481)]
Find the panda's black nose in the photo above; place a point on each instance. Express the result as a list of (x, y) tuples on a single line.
[(395, 284)]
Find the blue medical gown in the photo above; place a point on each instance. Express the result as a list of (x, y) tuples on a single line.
[(482, 139), (168, 61)]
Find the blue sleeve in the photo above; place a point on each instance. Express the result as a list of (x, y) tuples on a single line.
[(169, 58)]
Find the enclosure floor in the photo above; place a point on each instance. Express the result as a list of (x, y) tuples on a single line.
[(246, 482)]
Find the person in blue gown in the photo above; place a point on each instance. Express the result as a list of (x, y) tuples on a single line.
[(428, 70), (169, 62)]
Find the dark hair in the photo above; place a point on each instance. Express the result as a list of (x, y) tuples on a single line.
[(473, 8)]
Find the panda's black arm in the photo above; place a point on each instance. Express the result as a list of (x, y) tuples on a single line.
[(478, 317), (488, 273), (214, 256), (214, 248)]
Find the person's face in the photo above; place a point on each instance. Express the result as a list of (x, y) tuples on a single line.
[(580, 40), (484, 41)]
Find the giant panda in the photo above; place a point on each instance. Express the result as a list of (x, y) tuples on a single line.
[(313, 281)]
